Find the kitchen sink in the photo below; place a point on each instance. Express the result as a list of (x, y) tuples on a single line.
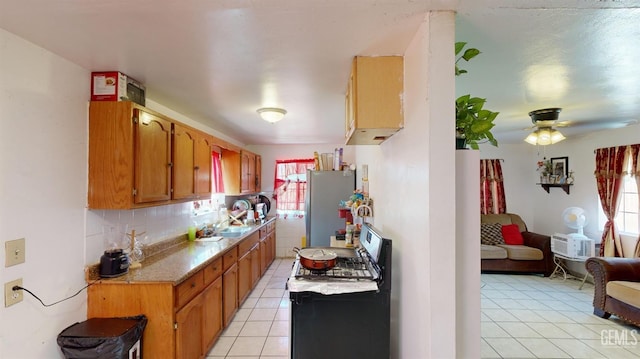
[(234, 231)]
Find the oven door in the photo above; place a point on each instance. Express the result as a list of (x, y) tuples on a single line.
[(351, 325)]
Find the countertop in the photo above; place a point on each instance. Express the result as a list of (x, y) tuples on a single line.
[(175, 264), (343, 244)]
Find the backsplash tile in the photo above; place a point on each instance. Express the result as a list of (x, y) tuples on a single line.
[(158, 223)]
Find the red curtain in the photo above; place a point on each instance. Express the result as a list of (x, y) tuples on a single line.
[(492, 198), (218, 185), (609, 173), (290, 186)]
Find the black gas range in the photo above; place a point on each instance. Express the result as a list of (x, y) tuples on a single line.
[(333, 312)]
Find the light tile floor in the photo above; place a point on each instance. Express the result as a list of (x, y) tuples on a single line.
[(260, 328), (526, 316), (522, 316)]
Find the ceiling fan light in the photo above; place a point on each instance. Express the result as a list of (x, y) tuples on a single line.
[(544, 136), (532, 138), (556, 136), (272, 114)]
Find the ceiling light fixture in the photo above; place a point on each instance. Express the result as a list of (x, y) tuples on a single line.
[(544, 134), (271, 114)]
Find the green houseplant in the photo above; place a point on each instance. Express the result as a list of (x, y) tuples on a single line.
[(473, 122)]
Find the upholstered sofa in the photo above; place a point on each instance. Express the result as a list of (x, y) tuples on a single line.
[(532, 256), (616, 287)]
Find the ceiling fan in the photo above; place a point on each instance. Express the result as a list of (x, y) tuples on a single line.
[(544, 121)]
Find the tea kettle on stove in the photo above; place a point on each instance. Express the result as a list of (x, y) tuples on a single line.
[(114, 263)]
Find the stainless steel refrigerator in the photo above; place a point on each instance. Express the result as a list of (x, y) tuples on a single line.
[(325, 190)]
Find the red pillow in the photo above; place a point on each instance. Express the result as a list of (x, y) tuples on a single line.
[(512, 235)]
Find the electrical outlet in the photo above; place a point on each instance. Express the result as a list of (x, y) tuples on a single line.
[(11, 296), (14, 252)]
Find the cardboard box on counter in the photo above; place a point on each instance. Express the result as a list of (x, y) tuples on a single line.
[(116, 86)]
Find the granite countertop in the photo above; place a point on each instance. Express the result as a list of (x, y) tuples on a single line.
[(176, 263)]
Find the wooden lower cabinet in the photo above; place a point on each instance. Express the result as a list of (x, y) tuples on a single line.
[(185, 320), (255, 264), (229, 293), (264, 249), (211, 314), (244, 277), (189, 333)]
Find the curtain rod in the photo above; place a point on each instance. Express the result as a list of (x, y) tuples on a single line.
[(596, 150)]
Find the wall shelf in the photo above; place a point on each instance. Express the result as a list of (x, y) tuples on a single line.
[(546, 186)]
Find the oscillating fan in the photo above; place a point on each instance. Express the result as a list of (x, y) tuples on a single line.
[(575, 218), (573, 245)]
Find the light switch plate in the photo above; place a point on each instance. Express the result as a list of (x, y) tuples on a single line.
[(14, 252), (11, 296)]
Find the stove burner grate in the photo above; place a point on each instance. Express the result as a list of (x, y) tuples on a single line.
[(346, 268)]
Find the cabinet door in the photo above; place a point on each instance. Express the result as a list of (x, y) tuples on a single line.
[(247, 176), (229, 293), (203, 163), (271, 248), (189, 330), (244, 277), (350, 105), (152, 158), (211, 313), (258, 174), (264, 252), (255, 264), (231, 171), (184, 141)]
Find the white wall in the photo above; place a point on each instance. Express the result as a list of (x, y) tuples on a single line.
[(43, 164), (412, 182)]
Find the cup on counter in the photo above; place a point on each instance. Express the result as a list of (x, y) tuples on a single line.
[(191, 233)]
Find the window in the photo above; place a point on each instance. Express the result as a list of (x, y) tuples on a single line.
[(290, 186), (628, 218)]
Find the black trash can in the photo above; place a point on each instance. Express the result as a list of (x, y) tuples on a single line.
[(104, 338)]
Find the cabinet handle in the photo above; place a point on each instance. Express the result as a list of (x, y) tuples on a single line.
[(196, 168), (193, 285), (170, 164)]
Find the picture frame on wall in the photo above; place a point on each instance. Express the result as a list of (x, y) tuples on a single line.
[(560, 166)]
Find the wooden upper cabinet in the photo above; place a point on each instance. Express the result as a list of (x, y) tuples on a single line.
[(373, 100), (184, 141), (239, 172), (258, 173), (192, 163), (203, 165), (248, 174), (129, 156), (141, 158), (231, 171), (153, 158)]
